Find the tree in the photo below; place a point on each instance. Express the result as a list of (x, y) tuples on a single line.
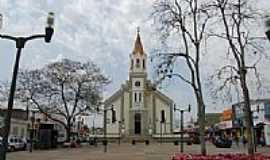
[(62, 90), (187, 19), (237, 19)]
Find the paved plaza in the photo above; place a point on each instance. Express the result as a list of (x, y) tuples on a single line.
[(154, 151)]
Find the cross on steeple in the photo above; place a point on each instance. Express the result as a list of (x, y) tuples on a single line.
[(138, 29), (138, 47)]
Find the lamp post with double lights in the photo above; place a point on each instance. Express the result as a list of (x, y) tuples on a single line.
[(181, 111), (20, 43), (105, 142), (267, 25)]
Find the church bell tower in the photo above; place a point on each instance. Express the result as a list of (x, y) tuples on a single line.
[(137, 73), (137, 77)]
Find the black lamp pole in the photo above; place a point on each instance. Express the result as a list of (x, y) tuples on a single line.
[(182, 124), (105, 142), (20, 43)]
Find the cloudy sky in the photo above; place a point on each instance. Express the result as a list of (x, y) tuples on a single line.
[(100, 30)]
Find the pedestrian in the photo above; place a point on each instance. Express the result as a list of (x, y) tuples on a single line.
[(236, 139), (262, 140), (244, 140)]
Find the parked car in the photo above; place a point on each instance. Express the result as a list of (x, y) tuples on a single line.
[(221, 142), (16, 143)]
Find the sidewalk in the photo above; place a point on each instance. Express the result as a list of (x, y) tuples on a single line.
[(155, 151)]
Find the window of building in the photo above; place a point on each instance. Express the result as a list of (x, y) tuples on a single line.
[(135, 97), (267, 110), (15, 131), (131, 65), (137, 83), (138, 63), (140, 97), (162, 116), (143, 64)]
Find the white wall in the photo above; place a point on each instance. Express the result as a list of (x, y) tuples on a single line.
[(126, 111), (161, 105), (18, 128), (113, 128)]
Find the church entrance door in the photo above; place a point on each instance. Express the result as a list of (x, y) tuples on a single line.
[(137, 123)]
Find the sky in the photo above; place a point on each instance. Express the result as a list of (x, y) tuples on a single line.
[(103, 31)]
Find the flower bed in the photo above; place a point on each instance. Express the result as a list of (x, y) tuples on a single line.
[(238, 156)]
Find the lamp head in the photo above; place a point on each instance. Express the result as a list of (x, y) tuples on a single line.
[(49, 29), (1, 20), (50, 19)]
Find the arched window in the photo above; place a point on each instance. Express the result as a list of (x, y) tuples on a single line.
[(140, 97), (135, 97), (137, 83), (138, 63), (131, 65)]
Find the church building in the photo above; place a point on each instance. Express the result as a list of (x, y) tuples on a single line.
[(140, 109)]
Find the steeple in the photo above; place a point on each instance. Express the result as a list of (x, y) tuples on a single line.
[(138, 47)]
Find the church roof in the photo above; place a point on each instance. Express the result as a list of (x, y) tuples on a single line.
[(138, 47)]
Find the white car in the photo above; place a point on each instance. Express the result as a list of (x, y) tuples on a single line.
[(16, 143)]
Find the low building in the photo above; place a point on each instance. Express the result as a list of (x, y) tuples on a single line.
[(19, 122), (260, 109)]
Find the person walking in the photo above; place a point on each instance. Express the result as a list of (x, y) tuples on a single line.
[(236, 139), (244, 140)]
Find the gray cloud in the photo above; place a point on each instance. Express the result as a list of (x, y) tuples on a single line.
[(101, 30)]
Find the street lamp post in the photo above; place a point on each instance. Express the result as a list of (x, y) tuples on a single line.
[(105, 142), (20, 43), (181, 111)]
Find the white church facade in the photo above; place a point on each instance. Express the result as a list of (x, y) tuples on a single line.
[(140, 109)]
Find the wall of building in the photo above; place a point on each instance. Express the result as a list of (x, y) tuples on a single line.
[(166, 127), (18, 128), (113, 128), (126, 110)]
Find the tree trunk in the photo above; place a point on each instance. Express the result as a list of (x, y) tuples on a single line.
[(201, 118), (248, 115), (68, 132)]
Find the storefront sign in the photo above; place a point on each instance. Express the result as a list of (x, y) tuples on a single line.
[(226, 115), (225, 125)]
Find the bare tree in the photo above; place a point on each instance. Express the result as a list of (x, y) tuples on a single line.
[(188, 19), (62, 90), (237, 17)]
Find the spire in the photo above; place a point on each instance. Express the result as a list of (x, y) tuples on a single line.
[(138, 47)]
